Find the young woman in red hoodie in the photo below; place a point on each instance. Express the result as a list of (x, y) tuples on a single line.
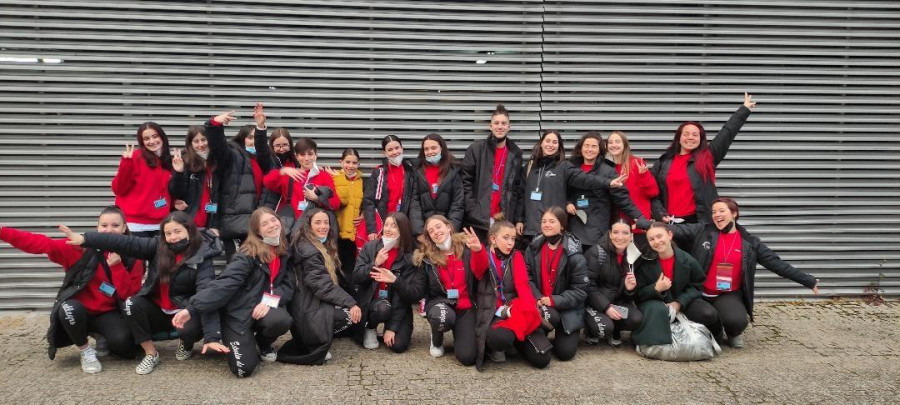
[(639, 181), (141, 185), (88, 300), (305, 187)]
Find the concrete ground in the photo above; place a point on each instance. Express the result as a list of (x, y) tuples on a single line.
[(810, 352)]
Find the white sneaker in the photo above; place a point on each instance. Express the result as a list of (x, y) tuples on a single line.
[(498, 356), (436, 351), (268, 354), (327, 356), (89, 362), (183, 353), (101, 346), (147, 364), (370, 339), (736, 342), (615, 342)]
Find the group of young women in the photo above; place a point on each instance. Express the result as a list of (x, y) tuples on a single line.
[(508, 254)]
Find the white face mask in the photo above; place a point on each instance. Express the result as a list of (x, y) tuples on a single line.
[(272, 240), (396, 160), (323, 239), (158, 152), (389, 243), (203, 155), (445, 246)]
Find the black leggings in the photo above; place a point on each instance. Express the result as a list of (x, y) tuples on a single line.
[(244, 356), (731, 311), (77, 323), (600, 325), (380, 312), (146, 318), (500, 339), (347, 255), (442, 318), (564, 344)]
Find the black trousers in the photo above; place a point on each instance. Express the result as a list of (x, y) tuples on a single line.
[(379, 313), (600, 325), (731, 311), (146, 318), (565, 345), (230, 246), (244, 356), (701, 311), (347, 255), (443, 317), (78, 323), (500, 339)]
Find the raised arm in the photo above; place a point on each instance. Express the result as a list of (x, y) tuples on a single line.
[(720, 145)]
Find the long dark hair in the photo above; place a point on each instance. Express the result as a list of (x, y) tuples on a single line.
[(447, 159), (577, 157), (405, 243), (703, 158), (192, 161), (165, 257), (243, 133), (328, 249), (165, 157), (279, 133), (388, 139), (538, 153)]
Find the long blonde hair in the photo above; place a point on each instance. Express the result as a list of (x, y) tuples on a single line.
[(254, 246), (627, 156), (327, 249), (429, 251)]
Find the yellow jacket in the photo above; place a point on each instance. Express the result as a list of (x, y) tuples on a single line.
[(351, 194)]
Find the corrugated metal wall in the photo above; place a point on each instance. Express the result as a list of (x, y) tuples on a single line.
[(815, 167)]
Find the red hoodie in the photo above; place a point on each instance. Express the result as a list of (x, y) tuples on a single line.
[(127, 282), (278, 183), (138, 187)]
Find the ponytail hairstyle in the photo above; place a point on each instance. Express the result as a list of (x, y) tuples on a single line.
[(327, 249), (193, 163), (538, 153), (165, 157), (447, 159), (577, 157), (704, 162), (627, 156), (348, 152), (114, 209), (388, 139), (254, 246), (165, 257)]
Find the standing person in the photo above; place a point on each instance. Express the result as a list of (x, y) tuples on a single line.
[(669, 280), (272, 152), (180, 266), (349, 186), (390, 189), (88, 300), (613, 288), (323, 304), (730, 254), (388, 284), (638, 180), (559, 281), (686, 171), (252, 295), (240, 178), (141, 185), (194, 178), (439, 189), (491, 172), (595, 204), (549, 177), (453, 264), (305, 187), (507, 314)]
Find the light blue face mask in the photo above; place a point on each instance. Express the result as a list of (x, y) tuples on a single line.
[(323, 239), (434, 159), (251, 150)]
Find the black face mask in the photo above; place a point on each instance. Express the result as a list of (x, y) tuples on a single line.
[(728, 227), (179, 246), (501, 255), (494, 141), (552, 240), (284, 157)]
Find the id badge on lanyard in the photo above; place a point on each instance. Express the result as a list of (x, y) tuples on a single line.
[(160, 203), (724, 273), (581, 202), (270, 300)]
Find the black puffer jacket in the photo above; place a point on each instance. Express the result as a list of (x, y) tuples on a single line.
[(702, 240), (477, 178), (315, 297), (240, 287), (599, 204), (409, 287), (376, 194), (571, 288), (194, 274), (553, 179), (237, 186), (704, 191), (607, 276), (449, 202)]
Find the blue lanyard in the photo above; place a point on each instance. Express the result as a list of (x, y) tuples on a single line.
[(498, 276)]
